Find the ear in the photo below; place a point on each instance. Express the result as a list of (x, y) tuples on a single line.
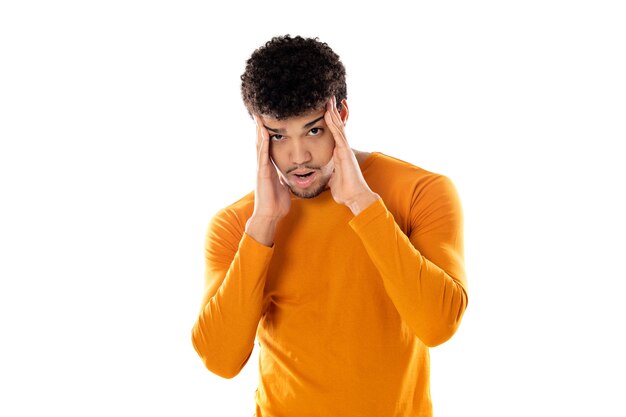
[(344, 111)]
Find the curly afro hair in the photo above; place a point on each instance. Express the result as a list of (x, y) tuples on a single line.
[(288, 77)]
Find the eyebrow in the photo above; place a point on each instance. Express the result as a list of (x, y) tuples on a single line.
[(306, 126)]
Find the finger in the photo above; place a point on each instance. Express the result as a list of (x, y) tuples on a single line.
[(264, 148), (262, 142), (336, 160), (334, 111), (331, 181), (336, 126), (331, 115), (330, 109), (336, 117), (259, 131), (282, 181), (334, 180)]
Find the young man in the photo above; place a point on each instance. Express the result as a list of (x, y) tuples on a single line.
[(346, 265)]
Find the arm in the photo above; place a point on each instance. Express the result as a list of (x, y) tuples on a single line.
[(423, 273), (236, 267)]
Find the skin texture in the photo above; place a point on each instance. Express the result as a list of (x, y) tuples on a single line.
[(302, 147), (321, 148)]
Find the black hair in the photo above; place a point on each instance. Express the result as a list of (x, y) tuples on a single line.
[(288, 77)]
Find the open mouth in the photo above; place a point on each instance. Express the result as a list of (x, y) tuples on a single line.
[(304, 180), (304, 175)]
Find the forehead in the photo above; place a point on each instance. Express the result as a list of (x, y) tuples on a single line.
[(295, 122)]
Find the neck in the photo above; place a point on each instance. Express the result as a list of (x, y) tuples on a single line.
[(361, 156)]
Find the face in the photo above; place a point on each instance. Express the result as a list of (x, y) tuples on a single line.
[(301, 148)]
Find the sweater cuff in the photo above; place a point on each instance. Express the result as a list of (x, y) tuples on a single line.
[(373, 212), (249, 245)]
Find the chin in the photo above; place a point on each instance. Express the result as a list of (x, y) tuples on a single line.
[(310, 192)]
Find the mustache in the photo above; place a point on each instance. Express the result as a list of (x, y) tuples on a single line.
[(317, 167)]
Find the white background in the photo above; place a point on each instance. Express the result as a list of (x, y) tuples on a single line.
[(122, 132)]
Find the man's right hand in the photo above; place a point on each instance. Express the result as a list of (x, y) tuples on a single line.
[(272, 198)]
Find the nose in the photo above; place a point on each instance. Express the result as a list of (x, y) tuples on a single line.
[(299, 153)]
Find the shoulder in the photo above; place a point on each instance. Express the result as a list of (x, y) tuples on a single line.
[(392, 173), (411, 193), (242, 206), (230, 221), (378, 161)]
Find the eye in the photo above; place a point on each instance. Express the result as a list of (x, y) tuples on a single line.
[(316, 131), (276, 138)]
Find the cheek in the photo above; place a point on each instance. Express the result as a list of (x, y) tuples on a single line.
[(278, 155), (326, 148)]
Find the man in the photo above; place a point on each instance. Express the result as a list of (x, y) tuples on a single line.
[(346, 265)]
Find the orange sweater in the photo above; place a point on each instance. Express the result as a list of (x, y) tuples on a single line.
[(344, 307)]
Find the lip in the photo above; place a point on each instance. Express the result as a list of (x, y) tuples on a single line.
[(301, 171), (303, 182)]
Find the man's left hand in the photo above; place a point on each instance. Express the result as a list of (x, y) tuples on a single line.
[(347, 184)]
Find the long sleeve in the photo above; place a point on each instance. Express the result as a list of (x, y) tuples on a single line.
[(423, 273), (236, 269)]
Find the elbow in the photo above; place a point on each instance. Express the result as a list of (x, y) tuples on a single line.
[(442, 329), (438, 336), (225, 372), (218, 364)]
